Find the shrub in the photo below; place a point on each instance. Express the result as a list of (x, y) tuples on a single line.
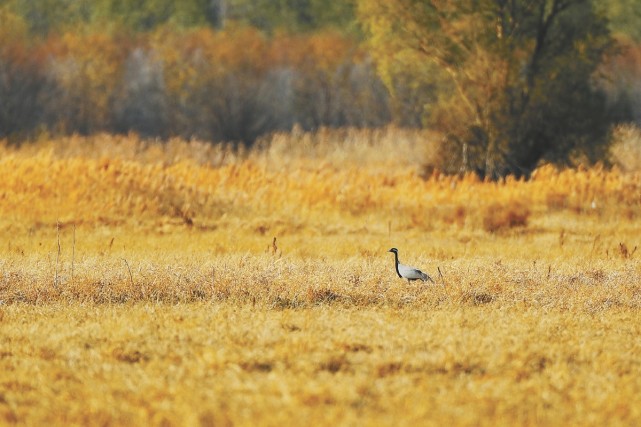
[(626, 147), (499, 216)]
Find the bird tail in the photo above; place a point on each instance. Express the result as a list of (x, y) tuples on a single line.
[(426, 277)]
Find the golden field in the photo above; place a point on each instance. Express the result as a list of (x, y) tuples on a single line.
[(140, 284)]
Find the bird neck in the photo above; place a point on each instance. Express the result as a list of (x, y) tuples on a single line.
[(396, 265)]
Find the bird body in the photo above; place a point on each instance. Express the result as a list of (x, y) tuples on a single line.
[(407, 272)]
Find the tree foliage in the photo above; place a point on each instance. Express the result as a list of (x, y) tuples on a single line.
[(512, 79), (509, 82), (624, 16), (46, 16), (235, 84)]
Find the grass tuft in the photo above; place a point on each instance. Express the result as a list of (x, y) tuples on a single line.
[(504, 216)]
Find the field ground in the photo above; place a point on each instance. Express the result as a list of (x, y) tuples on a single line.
[(221, 364), (141, 284)]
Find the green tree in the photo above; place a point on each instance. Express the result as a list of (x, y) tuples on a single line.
[(45, 16), (625, 17), (146, 15), (512, 79), (293, 15)]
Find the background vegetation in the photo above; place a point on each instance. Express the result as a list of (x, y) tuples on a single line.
[(235, 70), (512, 80)]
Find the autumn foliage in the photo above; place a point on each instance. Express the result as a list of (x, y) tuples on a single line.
[(231, 85)]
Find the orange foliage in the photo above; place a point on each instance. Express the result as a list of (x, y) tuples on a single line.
[(88, 68), (232, 85)]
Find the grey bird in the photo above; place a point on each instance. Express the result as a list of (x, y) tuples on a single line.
[(407, 272)]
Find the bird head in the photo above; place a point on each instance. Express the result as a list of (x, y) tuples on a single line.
[(393, 250)]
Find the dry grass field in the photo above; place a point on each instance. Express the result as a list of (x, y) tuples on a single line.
[(184, 284)]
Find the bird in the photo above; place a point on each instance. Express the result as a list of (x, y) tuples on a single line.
[(407, 272)]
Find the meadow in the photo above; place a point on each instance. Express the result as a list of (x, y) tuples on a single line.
[(181, 283)]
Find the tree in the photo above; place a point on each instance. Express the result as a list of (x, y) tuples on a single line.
[(624, 16), (512, 79), (293, 15), (45, 16), (22, 81)]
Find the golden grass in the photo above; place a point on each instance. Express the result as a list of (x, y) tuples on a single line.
[(170, 303), (219, 364)]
